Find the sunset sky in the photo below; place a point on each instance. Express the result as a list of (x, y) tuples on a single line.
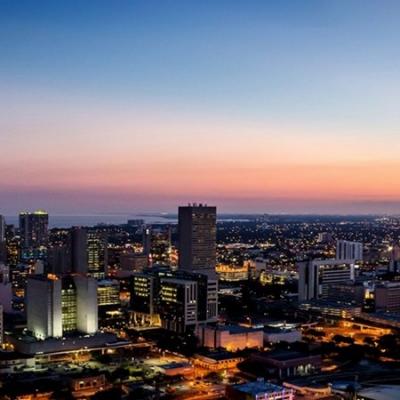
[(254, 106)]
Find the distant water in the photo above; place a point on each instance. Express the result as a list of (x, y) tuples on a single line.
[(66, 221)]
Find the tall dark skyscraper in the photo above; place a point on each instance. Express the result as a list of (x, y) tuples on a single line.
[(197, 238), (79, 254), (34, 228)]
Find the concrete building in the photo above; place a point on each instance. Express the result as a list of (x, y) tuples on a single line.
[(347, 250), (197, 238), (86, 304), (55, 306), (43, 306), (315, 277), (230, 337), (387, 296)]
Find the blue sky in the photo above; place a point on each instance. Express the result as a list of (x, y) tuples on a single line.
[(295, 70)]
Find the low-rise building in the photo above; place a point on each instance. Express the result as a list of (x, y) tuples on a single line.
[(286, 364), (259, 390), (216, 361), (230, 337)]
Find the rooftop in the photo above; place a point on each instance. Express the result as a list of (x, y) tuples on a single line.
[(259, 387)]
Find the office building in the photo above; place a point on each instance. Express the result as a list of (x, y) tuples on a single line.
[(97, 254), (315, 277), (387, 296), (157, 245), (177, 300), (347, 250), (56, 306), (178, 304), (197, 238), (108, 300), (33, 229)]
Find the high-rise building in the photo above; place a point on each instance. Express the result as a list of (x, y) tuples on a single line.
[(394, 261), (157, 245), (315, 277), (5, 288), (3, 245), (70, 255), (108, 300), (1, 325), (178, 304), (2, 229), (34, 228), (347, 250), (178, 300), (43, 306), (56, 306), (197, 238), (97, 255), (79, 254)]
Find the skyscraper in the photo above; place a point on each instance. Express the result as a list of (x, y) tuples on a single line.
[(2, 229), (34, 228), (97, 254), (3, 246), (78, 247), (197, 238)]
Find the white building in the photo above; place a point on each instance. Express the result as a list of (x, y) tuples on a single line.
[(56, 305), (230, 337), (315, 276), (347, 250), (43, 306)]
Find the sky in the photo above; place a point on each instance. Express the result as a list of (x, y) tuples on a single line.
[(283, 106)]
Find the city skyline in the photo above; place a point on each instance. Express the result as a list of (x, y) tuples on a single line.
[(275, 107)]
